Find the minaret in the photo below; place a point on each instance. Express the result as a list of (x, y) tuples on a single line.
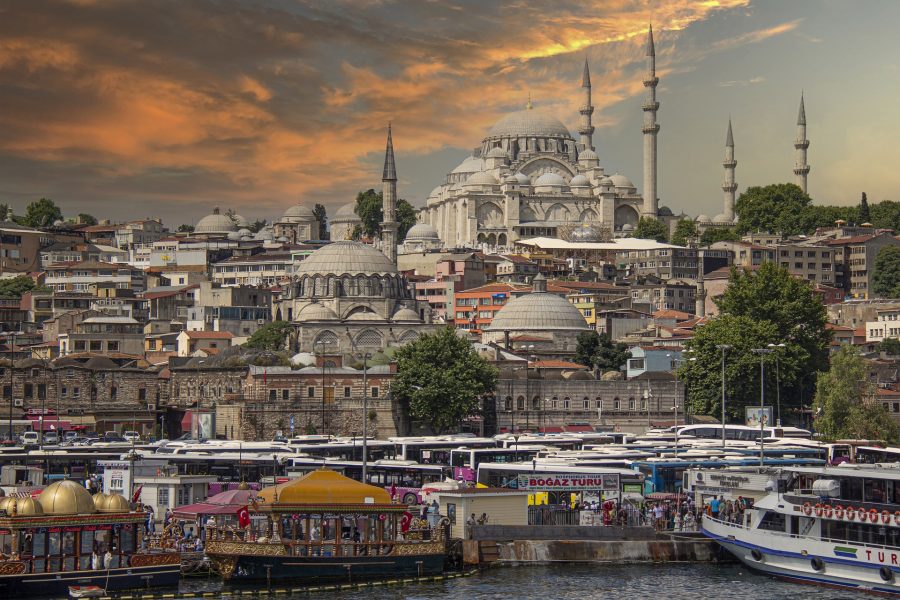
[(801, 169), (586, 131), (730, 185), (650, 129), (389, 202)]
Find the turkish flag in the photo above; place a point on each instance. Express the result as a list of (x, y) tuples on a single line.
[(405, 522), (137, 494), (243, 517)]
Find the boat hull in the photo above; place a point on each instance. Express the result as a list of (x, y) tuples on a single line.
[(117, 579), (306, 570), (810, 561)]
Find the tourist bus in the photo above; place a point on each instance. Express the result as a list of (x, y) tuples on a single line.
[(667, 474), (403, 478), (465, 461), (350, 449), (739, 432), (435, 450), (562, 441)]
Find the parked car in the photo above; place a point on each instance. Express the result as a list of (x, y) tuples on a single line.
[(30, 438), (51, 438), (112, 436), (70, 435), (132, 436)]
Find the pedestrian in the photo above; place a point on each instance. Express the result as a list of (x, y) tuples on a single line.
[(714, 508), (483, 519), (470, 526), (107, 559), (95, 560)]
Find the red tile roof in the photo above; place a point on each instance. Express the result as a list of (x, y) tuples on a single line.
[(672, 314), (857, 239)]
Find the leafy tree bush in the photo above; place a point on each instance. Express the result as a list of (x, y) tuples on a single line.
[(649, 228), (271, 336)]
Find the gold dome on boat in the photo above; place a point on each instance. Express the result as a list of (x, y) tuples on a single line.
[(67, 497), (115, 503), (28, 507)]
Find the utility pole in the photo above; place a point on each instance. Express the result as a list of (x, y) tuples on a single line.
[(762, 400), (724, 348)]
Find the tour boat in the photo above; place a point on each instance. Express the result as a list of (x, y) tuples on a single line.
[(325, 527), (64, 541), (834, 526)]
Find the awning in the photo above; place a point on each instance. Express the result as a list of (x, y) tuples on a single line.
[(194, 511), (665, 496)]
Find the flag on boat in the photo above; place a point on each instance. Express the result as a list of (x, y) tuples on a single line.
[(243, 517), (137, 493)]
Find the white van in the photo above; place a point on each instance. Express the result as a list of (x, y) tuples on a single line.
[(30, 438)]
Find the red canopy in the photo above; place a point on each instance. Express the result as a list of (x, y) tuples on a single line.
[(224, 503)]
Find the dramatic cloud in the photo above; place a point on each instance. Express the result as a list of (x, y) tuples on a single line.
[(179, 106)]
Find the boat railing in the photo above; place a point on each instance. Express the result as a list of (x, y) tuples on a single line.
[(782, 534)]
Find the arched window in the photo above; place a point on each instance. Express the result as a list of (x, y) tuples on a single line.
[(327, 339), (507, 404), (585, 403), (616, 403), (566, 403), (520, 403), (553, 402), (643, 404), (369, 339), (536, 403), (599, 402), (631, 403), (408, 336)]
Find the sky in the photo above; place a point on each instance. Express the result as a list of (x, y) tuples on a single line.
[(127, 109)]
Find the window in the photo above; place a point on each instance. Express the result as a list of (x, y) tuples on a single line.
[(772, 521), (76, 392), (162, 497), (346, 391), (631, 404), (310, 392), (374, 393), (285, 394), (142, 394), (29, 390), (112, 346), (616, 403)]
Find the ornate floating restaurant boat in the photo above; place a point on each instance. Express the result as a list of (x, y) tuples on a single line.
[(325, 527), (65, 539)]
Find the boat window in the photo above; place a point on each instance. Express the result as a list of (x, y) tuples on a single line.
[(53, 543), (772, 521), (87, 543), (851, 489), (875, 490), (5, 544), (127, 539)]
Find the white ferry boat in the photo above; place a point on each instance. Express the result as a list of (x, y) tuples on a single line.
[(832, 526)]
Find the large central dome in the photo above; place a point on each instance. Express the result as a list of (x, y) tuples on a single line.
[(528, 123), (346, 258)]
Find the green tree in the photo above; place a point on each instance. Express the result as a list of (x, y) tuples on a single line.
[(778, 208), (86, 219), (718, 234), (889, 346), (441, 379), (369, 208), (597, 350), (846, 404), (886, 214), (271, 336), (257, 225), (14, 288), (649, 228), (4, 211), (759, 308), (42, 213), (864, 215), (703, 377), (825, 216), (185, 228), (322, 217), (886, 273), (685, 229)]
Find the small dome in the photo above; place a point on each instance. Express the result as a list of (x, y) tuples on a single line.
[(346, 257), (497, 152), (704, 219), (511, 179), (115, 503), (580, 181), (406, 314), (665, 211), (607, 182), (422, 231), (721, 218), (66, 497), (346, 212), (25, 507), (323, 488), (523, 178), (265, 235), (296, 214), (316, 312), (4, 502), (588, 155), (215, 223), (550, 179), (436, 192), (234, 236), (481, 178), (620, 181), (470, 165), (538, 311), (584, 233), (240, 221)]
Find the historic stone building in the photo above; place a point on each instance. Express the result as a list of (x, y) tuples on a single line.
[(344, 221), (296, 225)]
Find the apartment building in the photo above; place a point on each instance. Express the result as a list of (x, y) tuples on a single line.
[(855, 258), (79, 276), (811, 262), (886, 325)]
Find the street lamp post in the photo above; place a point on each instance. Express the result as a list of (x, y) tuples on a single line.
[(675, 362), (777, 349), (762, 400), (365, 453), (11, 340), (724, 348)]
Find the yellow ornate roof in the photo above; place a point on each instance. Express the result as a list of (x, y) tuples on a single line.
[(67, 497), (323, 487), (111, 503)]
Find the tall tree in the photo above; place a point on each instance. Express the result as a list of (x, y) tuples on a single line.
[(256, 225), (369, 208), (86, 219), (14, 287), (758, 309), (685, 229), (777, 208), (649, 228), (322, 217), (597, 350), (185, 228), (886, 273), (42, 213), (406, 216), (586, 345), (718, 234), (271, 336), (846, 404), (4, 211), (864, 214), (886, 214), (441, 379)]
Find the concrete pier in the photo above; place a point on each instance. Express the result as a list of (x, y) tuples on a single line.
[(497, 544)]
